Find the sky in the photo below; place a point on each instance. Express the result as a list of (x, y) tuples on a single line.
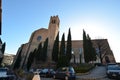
[(99, 18)]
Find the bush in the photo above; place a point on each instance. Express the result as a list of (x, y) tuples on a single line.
[(22, 75), (29, 76), (83, 68)]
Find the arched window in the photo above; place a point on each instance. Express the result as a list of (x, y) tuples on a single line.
[(54, 21)]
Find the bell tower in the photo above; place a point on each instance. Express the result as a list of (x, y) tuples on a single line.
[(53, 30)]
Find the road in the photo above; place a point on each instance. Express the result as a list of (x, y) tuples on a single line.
[(76, 79), (98, 73)]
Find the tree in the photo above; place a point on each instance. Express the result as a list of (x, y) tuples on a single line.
[(18, 61), (62, 56), (89, 51), (85, 47), (2, 51), (62, 46), (92, 52), (30, 59), (103, 49), (44, 51), (55, 51), (39, 55), (62, 61), (3, 47), (69, 47)]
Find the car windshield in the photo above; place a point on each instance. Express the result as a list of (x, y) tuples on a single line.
[(45, 70), (3, 70), (113, 68)]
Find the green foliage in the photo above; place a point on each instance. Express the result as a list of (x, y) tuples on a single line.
[(62, 61), (38, 55), (21, 73), (0, 41), (55, 51), (18, 61), (3, 48), (41, 53), (89, 51), (30, 59), (92, 52), (44, 51), (65, 56), (29, 76), (85, 47), (69, 47), (62, 46), (83, 68)]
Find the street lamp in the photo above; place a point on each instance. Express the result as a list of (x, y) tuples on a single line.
[(73, 56)]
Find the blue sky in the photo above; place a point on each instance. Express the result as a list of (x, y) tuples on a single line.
[(99, 18)]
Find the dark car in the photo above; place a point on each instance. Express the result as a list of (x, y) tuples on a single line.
[(113, 71), (66, 73), (47, 72), (5, 74)]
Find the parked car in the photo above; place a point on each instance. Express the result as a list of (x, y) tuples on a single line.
[(66, 73), (110, 64), (6, 75), (113, 71), (38, 70), (47, 72), (3, 72)]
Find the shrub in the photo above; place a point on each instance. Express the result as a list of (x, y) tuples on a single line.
[(22, 75), (29, 76), (83, 68)]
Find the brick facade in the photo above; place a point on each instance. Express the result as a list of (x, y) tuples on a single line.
[(40, 35)]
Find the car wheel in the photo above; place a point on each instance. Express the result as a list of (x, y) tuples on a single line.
[(66, 77), (54, 76)]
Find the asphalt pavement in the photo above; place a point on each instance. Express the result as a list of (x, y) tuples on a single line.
[(98, 73)]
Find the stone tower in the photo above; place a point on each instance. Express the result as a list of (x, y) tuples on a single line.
[(53, 30)]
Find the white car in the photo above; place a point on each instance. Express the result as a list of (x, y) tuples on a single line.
[(113, 71), (3, 72)]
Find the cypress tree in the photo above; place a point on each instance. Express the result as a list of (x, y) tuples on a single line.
[(55, 51), (62, 56), (69, 47), (89, 47), (0, 41), (31, 59), (85, 47), (92, 53), (39, 55), (18, 61), (44, 51), (62, 46), (3, 48)]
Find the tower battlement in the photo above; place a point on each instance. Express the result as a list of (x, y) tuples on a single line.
[(54, 20)]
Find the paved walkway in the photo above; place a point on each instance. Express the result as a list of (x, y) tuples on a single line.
[(96, 74)]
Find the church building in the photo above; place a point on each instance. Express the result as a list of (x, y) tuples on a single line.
[(40, 35)]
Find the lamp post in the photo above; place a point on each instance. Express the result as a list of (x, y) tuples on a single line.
[(80, 57), (73, 56)]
